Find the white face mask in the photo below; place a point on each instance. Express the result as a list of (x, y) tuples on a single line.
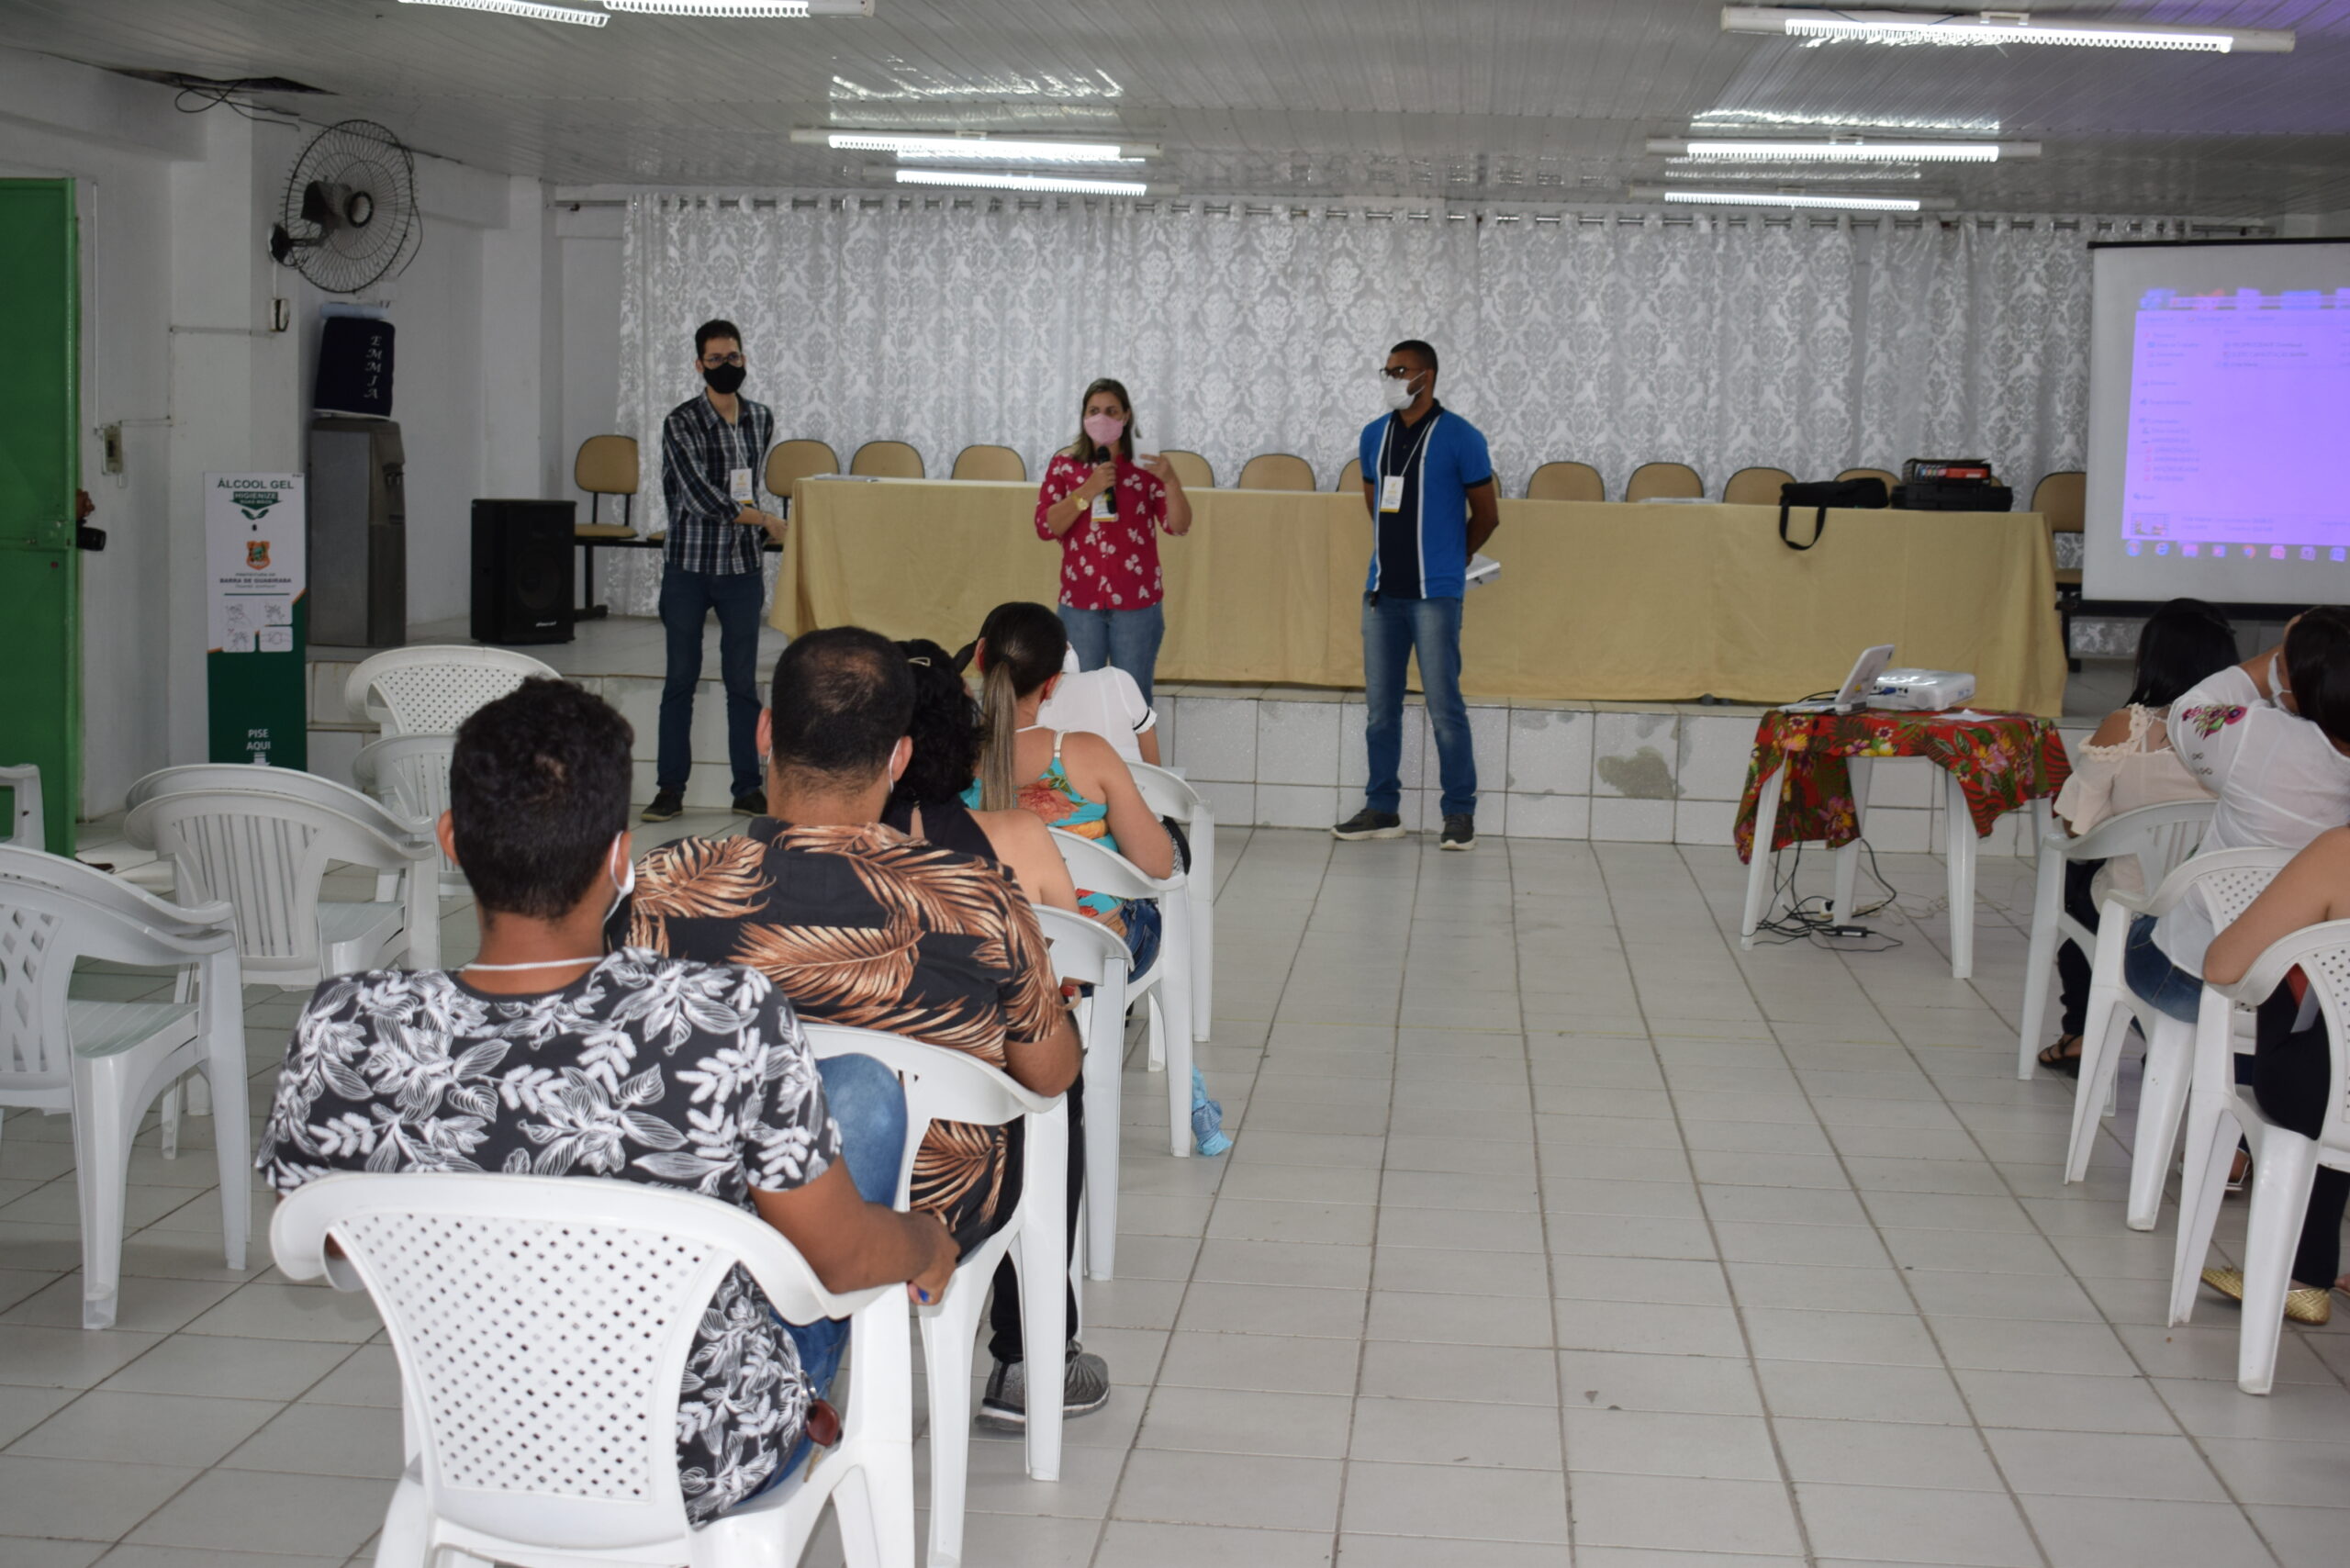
[(1397, 394), (623, 884)]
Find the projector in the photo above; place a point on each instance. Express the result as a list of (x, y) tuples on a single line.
[(1920, 690)]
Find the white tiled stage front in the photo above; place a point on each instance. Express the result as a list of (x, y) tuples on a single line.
[(1292, 756)]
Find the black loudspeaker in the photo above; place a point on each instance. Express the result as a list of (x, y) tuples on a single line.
[(354, 368), (522, 571)]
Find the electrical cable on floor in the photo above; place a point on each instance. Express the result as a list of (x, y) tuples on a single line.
[(1810, 919)]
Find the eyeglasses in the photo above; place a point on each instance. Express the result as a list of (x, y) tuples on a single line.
[(715, 359), (1398, 373)]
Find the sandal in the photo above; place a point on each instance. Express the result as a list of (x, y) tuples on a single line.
[(2059, 1058), (2313, 1305)]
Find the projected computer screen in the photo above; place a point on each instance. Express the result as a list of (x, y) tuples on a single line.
[(2220, 400)]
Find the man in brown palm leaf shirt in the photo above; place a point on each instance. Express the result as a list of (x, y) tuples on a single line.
[(859, 924)]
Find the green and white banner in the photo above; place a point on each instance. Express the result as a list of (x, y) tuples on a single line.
[(255, 579)]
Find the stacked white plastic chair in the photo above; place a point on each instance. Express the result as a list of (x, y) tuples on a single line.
[(1167, 984), (28, 829), (943, 1085), (409, 775), (104, 1062), (2157, 837), (262, 839), (431, 690), (1168, 793), (542, 1424), (2284, 1163), (1087, 951), (2225, 881)]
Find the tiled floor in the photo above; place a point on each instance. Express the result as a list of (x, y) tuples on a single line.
[(1553, 1218)]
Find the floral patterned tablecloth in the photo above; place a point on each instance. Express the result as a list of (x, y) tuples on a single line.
[(2001, 760)]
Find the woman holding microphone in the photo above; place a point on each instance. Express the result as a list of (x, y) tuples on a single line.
[(1106, 509)]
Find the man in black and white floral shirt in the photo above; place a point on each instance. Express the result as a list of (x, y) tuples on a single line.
[(547, 1057)]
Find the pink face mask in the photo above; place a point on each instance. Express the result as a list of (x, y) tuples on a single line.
[(1103, 430)]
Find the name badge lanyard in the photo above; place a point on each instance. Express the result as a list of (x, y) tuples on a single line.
[(1391, 486)]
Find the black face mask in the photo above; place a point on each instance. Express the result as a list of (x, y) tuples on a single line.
[(725, 380)]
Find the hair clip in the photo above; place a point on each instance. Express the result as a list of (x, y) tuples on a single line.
[(922, 659)]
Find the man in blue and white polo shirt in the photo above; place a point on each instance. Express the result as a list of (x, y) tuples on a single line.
[(1429, 486)]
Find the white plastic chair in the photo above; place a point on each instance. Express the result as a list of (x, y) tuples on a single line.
[(1167, 984), (104, 1062), (28, 829), (2226, 880), (1088, 952), (945, 1085), (1171, 795), (409, 775), (542, 1324), (261, 838), (2158, 838), (433, 689), (2284, 1163)]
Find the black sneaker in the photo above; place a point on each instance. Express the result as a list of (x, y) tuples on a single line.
[(1085, 1388), (668, 804), (1460, 832), (1367, 823), (753, 804)]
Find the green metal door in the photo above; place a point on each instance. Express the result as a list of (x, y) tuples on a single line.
[(40, 573)]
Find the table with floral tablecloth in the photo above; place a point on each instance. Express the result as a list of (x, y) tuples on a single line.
[(2000, 760)]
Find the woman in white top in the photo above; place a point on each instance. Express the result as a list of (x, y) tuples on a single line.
[(2271, 738), (1106, 702), (2127, 764)]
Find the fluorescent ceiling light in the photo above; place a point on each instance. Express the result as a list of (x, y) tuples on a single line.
[(995, 149), (745, 7), (1998, 27), (1852, 151), (530, 8), (1787, 198), (1051, 183)]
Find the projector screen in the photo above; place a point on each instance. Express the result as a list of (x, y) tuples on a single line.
[(2219, 418)]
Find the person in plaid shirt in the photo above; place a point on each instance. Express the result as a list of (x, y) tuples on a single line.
[(711, 451)]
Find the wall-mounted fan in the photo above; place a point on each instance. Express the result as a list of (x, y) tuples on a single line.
[(349, 214)]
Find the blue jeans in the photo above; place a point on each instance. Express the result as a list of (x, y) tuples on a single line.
[(869, 1105), (1144, 925), (2158, 982), (1393, 630), (687, 599), (1128, 639)]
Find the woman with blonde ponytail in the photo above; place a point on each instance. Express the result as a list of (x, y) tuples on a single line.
[(1068, 778)]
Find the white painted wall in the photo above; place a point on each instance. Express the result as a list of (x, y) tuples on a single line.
[(588, 242), (176, 343)]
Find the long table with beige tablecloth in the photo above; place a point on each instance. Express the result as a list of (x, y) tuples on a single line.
[(1596, 599)]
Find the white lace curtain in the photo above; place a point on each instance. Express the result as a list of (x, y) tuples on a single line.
[(1807, 347)]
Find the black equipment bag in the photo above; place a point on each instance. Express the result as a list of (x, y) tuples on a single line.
[(1821, 494)]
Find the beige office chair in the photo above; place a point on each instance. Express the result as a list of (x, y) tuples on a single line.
[(1890, 478), (1668, 480), (989, 462), (788, 462), (1349, 477), (1276, 471), (1755, 486), (1566, 482), (606, 467), (886, 460), (1191, 468)]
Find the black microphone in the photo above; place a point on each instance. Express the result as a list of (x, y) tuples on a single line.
[(1101, 455)]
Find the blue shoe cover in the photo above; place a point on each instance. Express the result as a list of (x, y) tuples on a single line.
[(1207, 1119)]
